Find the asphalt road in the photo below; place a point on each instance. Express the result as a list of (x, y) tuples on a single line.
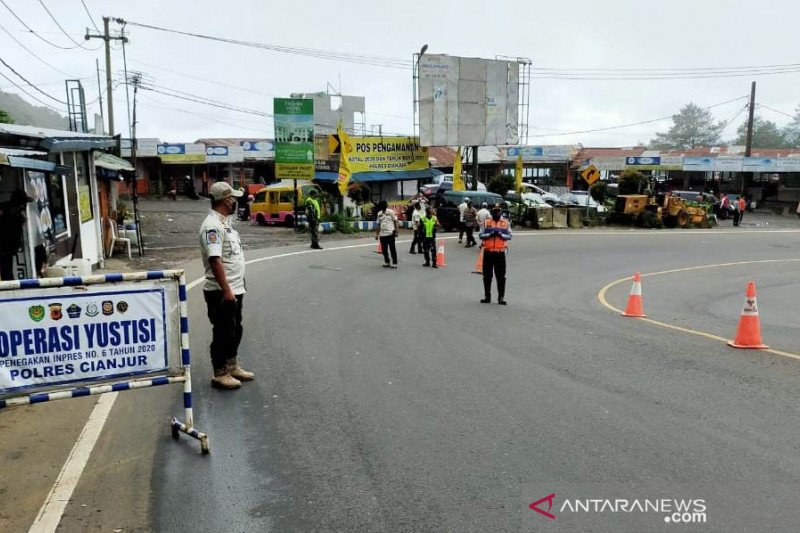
[(394, 401)]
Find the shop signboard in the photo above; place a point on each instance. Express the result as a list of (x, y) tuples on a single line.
[(759, 164), (380, 154), (698, 163), (182, 153)]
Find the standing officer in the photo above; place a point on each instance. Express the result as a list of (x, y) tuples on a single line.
[(225, 286), (429, 222), (495, 236), (313, 215)]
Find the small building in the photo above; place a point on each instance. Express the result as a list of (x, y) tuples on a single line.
[(56, 172)]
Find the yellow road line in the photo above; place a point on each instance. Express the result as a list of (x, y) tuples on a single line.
[(601, 296)]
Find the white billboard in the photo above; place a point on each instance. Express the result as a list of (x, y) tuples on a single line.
[(467, 101)]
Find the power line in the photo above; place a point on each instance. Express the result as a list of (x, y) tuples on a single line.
[(23, 78), (380, 61), (632, 123), (776, 111), (33, 32), (33, 54), (665, 69), (91, 18), (29, 94), (675, 76), (60, 27)]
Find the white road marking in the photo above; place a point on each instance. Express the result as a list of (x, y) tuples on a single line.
[(56, 502), (53, 508)]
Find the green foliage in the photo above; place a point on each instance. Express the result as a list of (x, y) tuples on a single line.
[(599, 191), (5, 118), (358, 192), (500, 184), (632, 182), (342, 223), (692, 126), (791, 133), (766, 134)]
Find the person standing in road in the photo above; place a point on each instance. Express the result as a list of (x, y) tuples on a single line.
[(224, 288), (12, 222), (742, 207), (470, 223), (495, 236), (429, 223), (313, 215), (416, 227), (735, 211), (483, 215), (387, 233), (462, 208)]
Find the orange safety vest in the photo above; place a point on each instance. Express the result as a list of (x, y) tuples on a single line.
[(742, 204), (495, 243)]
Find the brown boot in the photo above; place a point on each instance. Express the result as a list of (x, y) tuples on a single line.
[(223, 380), (238, 372)]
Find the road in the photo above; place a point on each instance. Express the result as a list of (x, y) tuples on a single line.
[(394, 401)]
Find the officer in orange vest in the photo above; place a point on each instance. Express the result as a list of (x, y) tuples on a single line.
[(495, 236)]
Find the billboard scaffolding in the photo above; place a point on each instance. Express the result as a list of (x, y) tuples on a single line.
[(470, 101)]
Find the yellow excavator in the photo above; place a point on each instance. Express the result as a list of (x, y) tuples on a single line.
[(671, 211)]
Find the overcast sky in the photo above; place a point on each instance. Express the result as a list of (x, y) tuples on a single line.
[(610, 34)]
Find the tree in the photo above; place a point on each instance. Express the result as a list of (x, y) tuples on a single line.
[(791, 133), (631, 182), (692, 126), (766, 134), (501, 184), (5, 118)]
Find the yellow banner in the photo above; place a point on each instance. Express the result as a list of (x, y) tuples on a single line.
[(294, 171), (344, 160), (377, 154), (85, 203), (518, 175), (183, 159), (458, 181)]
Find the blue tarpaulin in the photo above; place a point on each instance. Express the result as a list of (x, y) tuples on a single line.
[(366, 177)]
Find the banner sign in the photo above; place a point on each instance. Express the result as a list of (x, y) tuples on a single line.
[(759, 164), (788, 164), (698, 163), (294, 138), (145, 147), (182, 154), (532, 153), (377, 154), (54, 336), (643, 163)]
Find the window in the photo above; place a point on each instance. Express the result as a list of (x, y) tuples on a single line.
[(260, 197), (287, 196), (58, 210)]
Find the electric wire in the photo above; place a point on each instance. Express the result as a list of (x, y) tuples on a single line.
[(91, 18), (381, 61), (632, 123), (23, 78), (60, 27), (29, 94), (32, 53), (33, 32), (776, 111)]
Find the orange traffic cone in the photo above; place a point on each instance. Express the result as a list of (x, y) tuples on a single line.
[(379, 249), (748, 334), (440, 254), (479, 263), (635, 307)]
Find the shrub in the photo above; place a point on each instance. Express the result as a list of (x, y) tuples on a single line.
[(500, 184), (632, 182), (599, 191)]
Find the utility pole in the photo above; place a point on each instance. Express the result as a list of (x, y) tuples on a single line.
[(749, 143), (474, 168), (136, 80), (106, 36), (99, 91), (748, 148)]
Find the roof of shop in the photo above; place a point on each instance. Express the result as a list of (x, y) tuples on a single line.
[(366, 177)]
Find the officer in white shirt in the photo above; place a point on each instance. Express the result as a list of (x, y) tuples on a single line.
[(462, 209), (483, 215), (224, 288)]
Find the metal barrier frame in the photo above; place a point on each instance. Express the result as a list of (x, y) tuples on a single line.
[(177, 426)]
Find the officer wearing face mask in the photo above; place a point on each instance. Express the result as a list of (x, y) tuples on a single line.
[(224, 288), (495, 236)]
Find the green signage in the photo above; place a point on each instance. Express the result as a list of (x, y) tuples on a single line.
[(294, 138)]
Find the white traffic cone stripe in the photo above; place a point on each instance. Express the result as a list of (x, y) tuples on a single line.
[(636, 288), (750, 307)]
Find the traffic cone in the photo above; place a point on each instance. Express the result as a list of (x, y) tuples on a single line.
[(635, 307), (748, 334), (440, 254), (479, 263), (380, 248)]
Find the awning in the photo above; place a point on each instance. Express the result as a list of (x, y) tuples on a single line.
[(367, 177), (68, 144), (111, 162), (33, 164)]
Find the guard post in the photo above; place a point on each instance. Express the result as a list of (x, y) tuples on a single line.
[(93, 335)]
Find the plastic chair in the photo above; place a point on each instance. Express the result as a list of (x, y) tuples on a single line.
[(115, 238)]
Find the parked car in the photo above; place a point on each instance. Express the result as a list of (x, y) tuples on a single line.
[(274, 204), (447, 205), (548, 197), (441, 188), (697, 196), (582, 199), (531, 199)]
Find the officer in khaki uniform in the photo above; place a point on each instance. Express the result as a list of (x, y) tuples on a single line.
[(224, 288)]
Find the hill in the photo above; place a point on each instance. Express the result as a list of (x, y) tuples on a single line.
[(24, 113)]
